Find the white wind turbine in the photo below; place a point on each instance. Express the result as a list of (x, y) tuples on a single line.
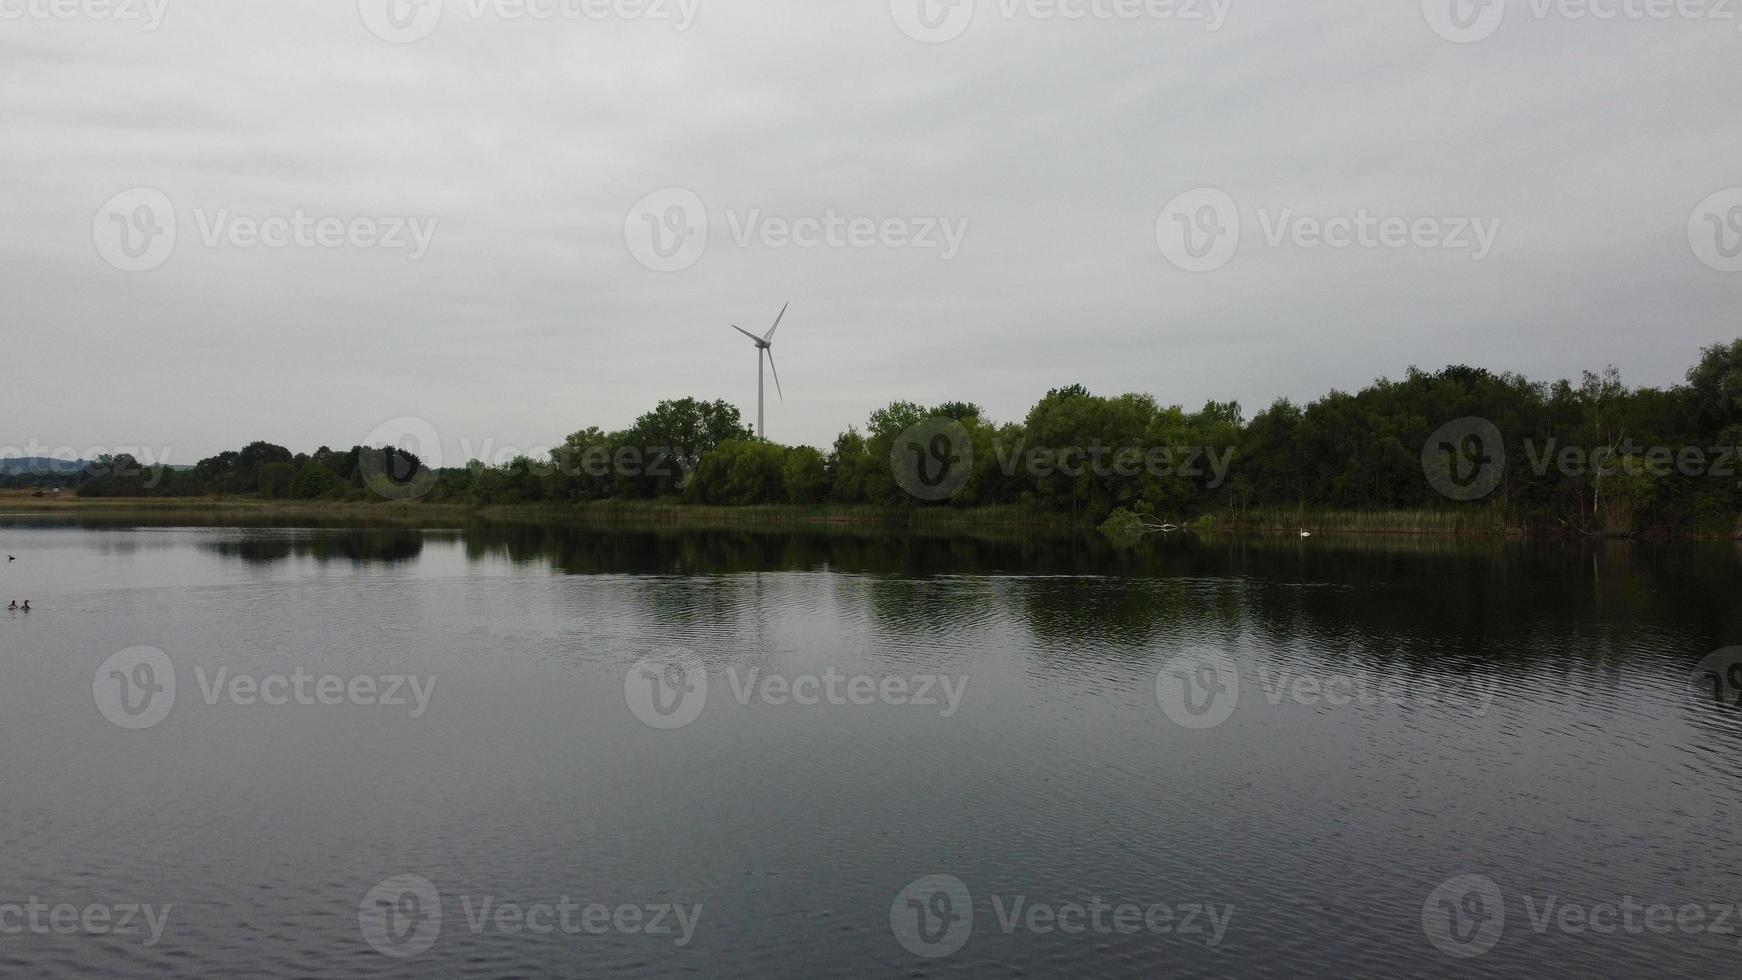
[(765, 349)]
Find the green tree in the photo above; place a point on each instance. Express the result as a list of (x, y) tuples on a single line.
[(314, 481), (275, 479), (804, 475)]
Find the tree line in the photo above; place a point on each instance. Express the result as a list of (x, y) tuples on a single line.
[(1596, 456)]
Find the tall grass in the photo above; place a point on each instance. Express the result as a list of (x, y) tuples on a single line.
[(1468, 521), (675, 512), (1462, 520)]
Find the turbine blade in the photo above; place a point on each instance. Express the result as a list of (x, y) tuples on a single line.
[(776, 371), (782, 316), (748, 334)]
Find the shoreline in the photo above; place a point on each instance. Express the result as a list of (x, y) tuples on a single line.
[(920, 520)]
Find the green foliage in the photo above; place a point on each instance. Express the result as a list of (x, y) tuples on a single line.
[(314, 481), (1122, 527), (1716, 385), (804, 475), (1109, 460), (274, 479), (740, 473), (845, 468)]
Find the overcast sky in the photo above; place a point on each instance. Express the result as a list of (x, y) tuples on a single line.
[(552, 165)]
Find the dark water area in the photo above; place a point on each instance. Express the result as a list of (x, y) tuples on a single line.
[(516, 750)]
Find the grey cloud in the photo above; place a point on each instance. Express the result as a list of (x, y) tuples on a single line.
[(1061, 142)]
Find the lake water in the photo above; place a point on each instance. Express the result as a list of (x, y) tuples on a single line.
[(517, 751)]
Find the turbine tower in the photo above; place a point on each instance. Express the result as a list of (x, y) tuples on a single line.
[(764, 350)]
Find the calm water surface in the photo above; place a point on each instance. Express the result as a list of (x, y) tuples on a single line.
[(1521, 713)]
